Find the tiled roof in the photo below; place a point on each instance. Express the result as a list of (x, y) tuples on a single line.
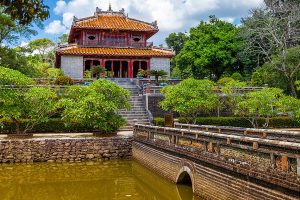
[(114, 23), (115, 52)]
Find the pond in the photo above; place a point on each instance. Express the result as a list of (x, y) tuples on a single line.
[(111, 180)]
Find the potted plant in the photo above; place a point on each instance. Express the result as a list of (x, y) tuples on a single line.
[(98, 71), (157, 74)]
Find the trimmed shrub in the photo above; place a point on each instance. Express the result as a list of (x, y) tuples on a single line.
[(52, 126), (158, 121), (275, 122), (63, 80)]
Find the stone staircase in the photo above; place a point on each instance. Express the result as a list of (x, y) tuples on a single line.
[(137, 113)]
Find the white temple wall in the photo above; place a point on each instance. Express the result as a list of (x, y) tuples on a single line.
[(160, 64), (72, 66)]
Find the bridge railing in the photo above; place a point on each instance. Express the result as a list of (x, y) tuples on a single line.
[(279, 156), (290, 136)]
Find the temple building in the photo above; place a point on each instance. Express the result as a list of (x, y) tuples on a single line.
[(112, 40)]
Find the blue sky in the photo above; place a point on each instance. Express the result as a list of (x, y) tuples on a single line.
[(172, 15)]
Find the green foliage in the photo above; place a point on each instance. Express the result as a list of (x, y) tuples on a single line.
[(63, 39), (142, 73), (176, 73), (223, 81), (233, 91), (11, 31), (35, 104), (189, 97), (267, 75), (157, 74), (13, 59), (44, 47), (176, 41), (275, 122), (97, 71), (87, 74), (25, 12), (298, 85), (13, 77), (63, 80), (237, 76), (53, 125), (265, 103), (95, 106), (54, 72), (210, 50), (159, 121)]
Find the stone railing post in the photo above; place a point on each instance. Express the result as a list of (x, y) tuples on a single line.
[(284, 163), (298, 166)]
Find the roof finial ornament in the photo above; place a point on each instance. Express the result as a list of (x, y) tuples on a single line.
[(154, 24), (109, 7), (122, 11), (98, 10), (75, 18)]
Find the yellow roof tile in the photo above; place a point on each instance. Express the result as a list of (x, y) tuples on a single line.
[(114, 23), (115, 52)]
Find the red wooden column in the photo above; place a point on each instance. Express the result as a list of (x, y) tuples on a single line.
[(112, 68), (130, 69), (121, 74)]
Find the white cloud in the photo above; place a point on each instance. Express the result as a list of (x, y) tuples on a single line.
[(228, 19), (172, 15), (60, 6), (56, 27)]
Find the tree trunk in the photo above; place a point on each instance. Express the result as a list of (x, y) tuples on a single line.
[(292, 87)]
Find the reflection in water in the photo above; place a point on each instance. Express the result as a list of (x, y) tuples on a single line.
[(91, 180)]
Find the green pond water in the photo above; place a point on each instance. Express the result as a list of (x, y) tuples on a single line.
[(122, 179)]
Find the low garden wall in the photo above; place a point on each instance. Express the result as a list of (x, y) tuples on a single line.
[(64, 149)]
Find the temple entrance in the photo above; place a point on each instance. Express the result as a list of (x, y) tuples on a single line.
[(136, 66), (139, 65), (116, 69), (125, 69)]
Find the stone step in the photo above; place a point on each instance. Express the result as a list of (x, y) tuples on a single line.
[(133, 112), (138, 121), (134, 115), (136, 118)]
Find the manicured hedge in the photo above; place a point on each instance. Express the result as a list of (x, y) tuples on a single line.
[(276, 122), (52, 126)]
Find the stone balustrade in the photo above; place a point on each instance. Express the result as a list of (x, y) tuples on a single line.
[(273, 160), (292, 136)]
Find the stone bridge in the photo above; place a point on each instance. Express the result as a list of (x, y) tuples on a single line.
[(223, 162)]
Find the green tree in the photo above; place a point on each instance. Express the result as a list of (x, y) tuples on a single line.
[(95, 106), (234, 93), (269, 32), (176, 41), (63, 39), (14, 59), (266, 103), (211, 50), (44, 47), (189, 98), (25, 12), (23, 105), (11, 31)]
